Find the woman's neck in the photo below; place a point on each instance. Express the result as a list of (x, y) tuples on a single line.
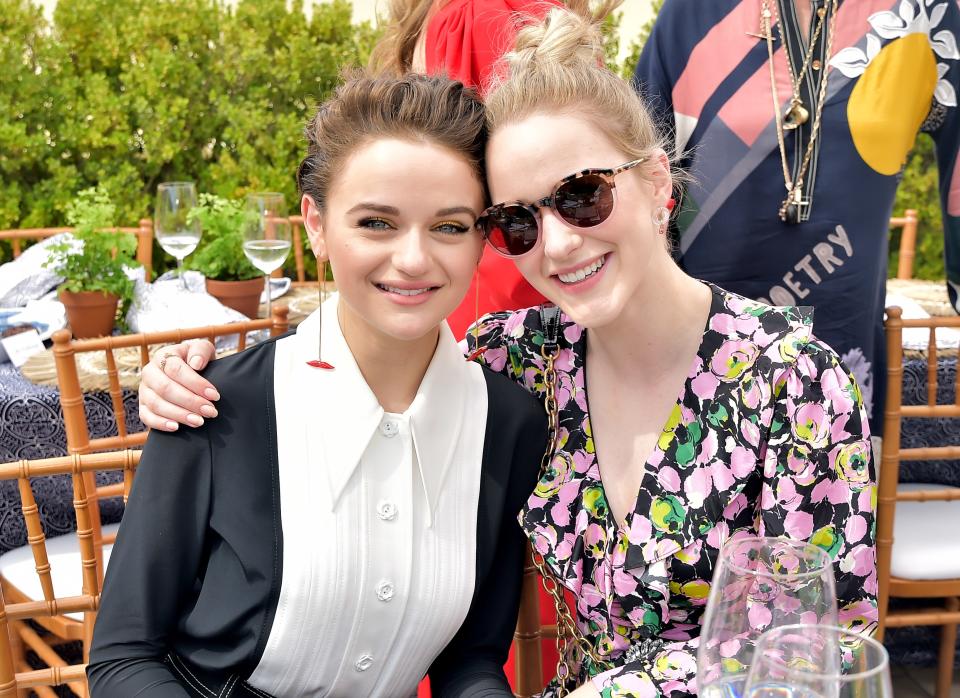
[(393, 368), (664, 320)]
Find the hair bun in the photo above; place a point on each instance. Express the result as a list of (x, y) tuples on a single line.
[(566, 36)]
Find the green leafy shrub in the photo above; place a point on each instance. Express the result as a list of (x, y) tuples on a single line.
[(220, 253), (99, 261), (125, 95), (919, 190)]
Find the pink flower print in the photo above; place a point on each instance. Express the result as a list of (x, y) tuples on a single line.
[(742, 461), (698, 486), (751, 432), (668, 479), (859, 616), (758, 615), (641, 530), (838, 430), (708, 448), (851, 464), (704, 386), (750, 393), (793, 342), (572, 333), (804, 471), (635, 685), (787, 495), (624, 583), (730, 648), (718, 535), (584, 460), (674, 665), (595, 539), (723, 478), (496, 358), (811, 425), (734, 358), (798, 524), (724, 324), (556, 475), (735, 506), (861, 561), (747, 324), (513, 325), (855, 529), (835, 384), (865, 501), (588, 597)]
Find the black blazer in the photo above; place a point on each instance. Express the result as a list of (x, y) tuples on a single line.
[(194, 578)]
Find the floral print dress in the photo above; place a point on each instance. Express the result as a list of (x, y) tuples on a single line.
[(768, 437)]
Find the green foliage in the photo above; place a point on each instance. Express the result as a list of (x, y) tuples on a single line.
[(919, 190), (220, 253), (99, 261), (125, 95), (629, 64)]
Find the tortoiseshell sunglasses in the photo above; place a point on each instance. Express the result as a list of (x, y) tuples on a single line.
[(583, 199)]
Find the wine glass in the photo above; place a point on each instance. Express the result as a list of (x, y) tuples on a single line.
[(818, 661), (177, 231), (267, 236), (759, 583)]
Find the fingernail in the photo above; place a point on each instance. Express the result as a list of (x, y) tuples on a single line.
[(211, 394), (195, 419), (195, 363), (172, 426), (208, 411)]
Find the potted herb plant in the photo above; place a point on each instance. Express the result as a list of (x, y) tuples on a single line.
[(93, 266), (231, 278)]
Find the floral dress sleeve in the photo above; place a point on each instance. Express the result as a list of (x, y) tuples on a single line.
[(816, 485)]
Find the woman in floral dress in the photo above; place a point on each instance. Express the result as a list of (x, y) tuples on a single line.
[(710, 416)]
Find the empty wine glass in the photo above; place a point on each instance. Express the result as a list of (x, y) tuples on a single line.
[(267, 236), (818, 661), (177, 231), (759, 583)]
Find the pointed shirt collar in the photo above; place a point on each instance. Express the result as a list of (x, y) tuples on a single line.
[(348, 413)]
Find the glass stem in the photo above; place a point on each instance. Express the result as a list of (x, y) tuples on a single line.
[(266, 288), (183, 283)]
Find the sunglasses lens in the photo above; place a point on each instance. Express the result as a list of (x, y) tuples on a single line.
[(585, 201), (511, 230)]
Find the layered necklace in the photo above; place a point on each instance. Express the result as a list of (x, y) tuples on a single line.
[(797, 113)]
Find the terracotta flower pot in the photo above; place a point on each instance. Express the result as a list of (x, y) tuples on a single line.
[(89, 313), (242, 296)]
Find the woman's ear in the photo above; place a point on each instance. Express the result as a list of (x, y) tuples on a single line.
[(660, 176), (313, 222)]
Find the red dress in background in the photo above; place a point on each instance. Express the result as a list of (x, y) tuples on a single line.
[(464, 40)]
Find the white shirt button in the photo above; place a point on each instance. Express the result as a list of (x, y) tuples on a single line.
[(389, 428), (387, 511), (385, 591), (364, 663)]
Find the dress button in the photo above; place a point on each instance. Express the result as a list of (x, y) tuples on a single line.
[(387, 511), (389, 428), (385, 591), (364, 663)]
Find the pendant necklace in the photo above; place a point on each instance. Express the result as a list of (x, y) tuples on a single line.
[(797, 113)]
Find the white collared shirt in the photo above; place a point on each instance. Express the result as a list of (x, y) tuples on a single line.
[(379, 515)]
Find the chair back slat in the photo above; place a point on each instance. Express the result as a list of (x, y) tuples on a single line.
[(297, 228), (932, 368), (36, 538), (908, 242), (116, 392)]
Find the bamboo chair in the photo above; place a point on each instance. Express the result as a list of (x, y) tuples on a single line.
[(908, 242), (529, 636), (916, 567), (69, 601), (144, 233)]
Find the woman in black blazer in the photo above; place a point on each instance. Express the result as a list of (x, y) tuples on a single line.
[(347, 524)]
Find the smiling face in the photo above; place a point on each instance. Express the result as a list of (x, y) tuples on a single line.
[(398, 230), (591, 273)]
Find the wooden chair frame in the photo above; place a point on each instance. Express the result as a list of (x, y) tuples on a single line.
[(908, 242), (16, 677), (529, 635), (144, 233), (948, 615)]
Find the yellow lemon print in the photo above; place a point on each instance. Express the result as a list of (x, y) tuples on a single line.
[(890, 101)]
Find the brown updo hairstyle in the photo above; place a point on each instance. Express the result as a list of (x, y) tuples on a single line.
[(417, 108)]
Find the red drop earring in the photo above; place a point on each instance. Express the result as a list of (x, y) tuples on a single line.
[(322, 285)]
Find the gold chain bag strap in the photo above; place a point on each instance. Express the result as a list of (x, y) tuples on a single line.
[(567, 629)]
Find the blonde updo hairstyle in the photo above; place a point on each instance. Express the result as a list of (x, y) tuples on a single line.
[(557, 65)]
